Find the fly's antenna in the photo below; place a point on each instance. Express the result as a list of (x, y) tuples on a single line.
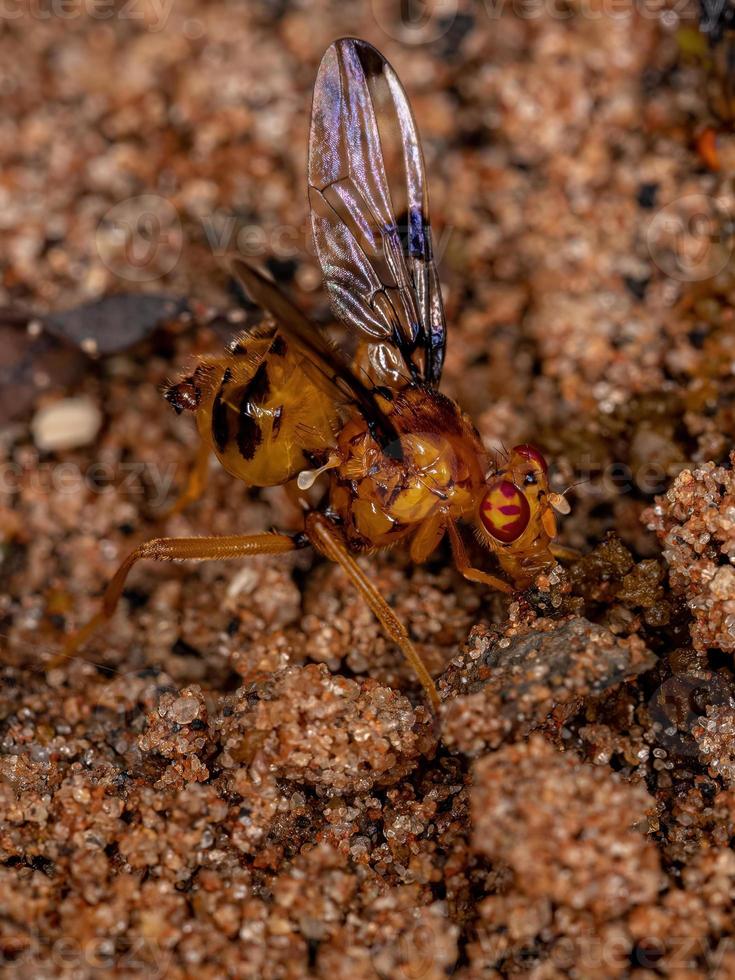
[(579, 483), (499, 455), (559, 500), (503, 452)]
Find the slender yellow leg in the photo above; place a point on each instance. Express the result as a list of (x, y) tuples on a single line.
[(176, 549), (196, 484), (464, 567), (563, 553), (326, 539), (185, 396)]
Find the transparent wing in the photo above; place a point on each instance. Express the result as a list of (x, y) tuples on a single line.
[(378, 268), (326, 364)]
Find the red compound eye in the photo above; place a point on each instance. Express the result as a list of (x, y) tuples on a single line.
[(532, 454), (504, 511)]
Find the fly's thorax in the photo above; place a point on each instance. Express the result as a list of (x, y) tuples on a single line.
[(441, 473), (443, 455), (384, 492)]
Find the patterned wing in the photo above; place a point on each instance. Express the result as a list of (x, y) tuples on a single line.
[(323, 362), (379, 272)]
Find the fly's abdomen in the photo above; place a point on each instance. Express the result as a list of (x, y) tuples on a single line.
[(261, 412), (268, 418)]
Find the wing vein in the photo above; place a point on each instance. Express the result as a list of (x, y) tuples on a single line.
[(361, 114)]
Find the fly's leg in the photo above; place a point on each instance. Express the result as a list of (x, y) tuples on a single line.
[(196, 484), (325, 537), (186, 396), (464, 568), (563, 553), (177, 549)]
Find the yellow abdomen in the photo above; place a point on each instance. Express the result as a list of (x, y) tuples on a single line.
[(265, 419)]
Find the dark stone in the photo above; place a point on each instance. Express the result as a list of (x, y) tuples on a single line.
[(114, 323), (502, 688)]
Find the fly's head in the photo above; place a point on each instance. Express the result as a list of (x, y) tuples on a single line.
[(516, 510)]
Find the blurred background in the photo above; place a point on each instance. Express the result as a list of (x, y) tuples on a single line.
[(580, 156), (580, 159)]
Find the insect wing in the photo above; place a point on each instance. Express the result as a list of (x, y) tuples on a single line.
[(324, 363), (381, 277)]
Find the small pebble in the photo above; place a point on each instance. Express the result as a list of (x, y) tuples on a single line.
[(66, 424)]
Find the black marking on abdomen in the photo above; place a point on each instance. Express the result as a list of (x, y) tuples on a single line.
[(220, 428), (279, 346), (249, 434), (238, 347), (277, 420), (259, 387)]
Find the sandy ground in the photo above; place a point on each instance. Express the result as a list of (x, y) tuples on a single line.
[(240, 778)]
